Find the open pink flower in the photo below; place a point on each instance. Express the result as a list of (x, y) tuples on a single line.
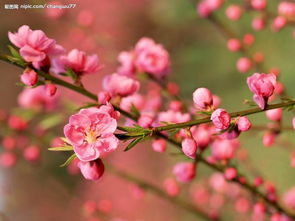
[(34, 45), (262, 85), (120, 85), (151, 57), (91, 132), (81, 63)]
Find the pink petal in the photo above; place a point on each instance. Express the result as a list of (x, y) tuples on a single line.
[(31, 55), (75, 136), (80, 120), (259, 101), (87, 152)]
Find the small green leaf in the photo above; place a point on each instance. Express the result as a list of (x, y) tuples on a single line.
[(133, 143), (72, 74), (63, 148), (14, 52), (134, 110), (65, 140), (69, 160), (51, 121)]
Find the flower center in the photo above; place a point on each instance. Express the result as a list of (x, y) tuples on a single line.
[(91, 136)]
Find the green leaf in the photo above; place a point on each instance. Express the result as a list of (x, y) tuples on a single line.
[(65, 140), (134, 110), (14, 52), (72, 74), (69, 160), (51, 121), (63, 148), (133, 143), (136, 128)]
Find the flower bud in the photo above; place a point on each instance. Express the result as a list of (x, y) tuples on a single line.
[(50, 89), (29, 77), (244, 124), (268, 139), (274, 114), (8, 142), (203, 98), (7, 159), (184, 172), (221, 119), (32, 153), (244, 65), (17, 123), (159, 145), (189, 147), (103, 97), (258, 4), (234, 12), (230, 173), (234, 44), (91, 170), (171, 187)]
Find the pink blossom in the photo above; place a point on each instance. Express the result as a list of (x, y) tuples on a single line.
[(223, 149), (50, 89), (248, 39), (29, 77), (258, 24), (159, 145), (234, 44), (32, 153), (184, 172), (278, 23), (85, 18), (234, 12), (7, 159), (214, 4), (203, 98), (218, 183), (120, 85), (127, 65), (80, 63), (151, 57), (189, 147), (221, 119), (244, 124), (258, 4), (173, 117), (91, 170), (34, 46), (274, 114), (17, 123), (146, 119), (230, 173), (231, 134), (9, 142), (262, 85), (103, 97), (244, 64), (203, 9), (286, 9), (171, 187), (91, 133), (289, 198), (268, 139), (137, 100), (36, 98)]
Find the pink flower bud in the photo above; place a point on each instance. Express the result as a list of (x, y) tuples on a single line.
[(172, 88), (286, 9), (214, 4), (242, 205), (258, 24), (289, 198), (91, 170), (248, 39), (268, 139), (146, 120), (7, 159), (259, 208), (8, 142), (278, 23), (234, 44), (258, 57), (175, 105), (50, 89), (171, 187), (274, 114), (258, 4), (85, 18), (279, 88), (159, 145), (104, 206), (184, 172), (216, 101), (189, 147), (32, 153), (29, 77), (203, 98), (204, 9), (258, 181), (17, 123), (223, 149), (244, 65), (89, 207), (234, 12), (103, 97), (221, 119), (244, 124), (230, 173)]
